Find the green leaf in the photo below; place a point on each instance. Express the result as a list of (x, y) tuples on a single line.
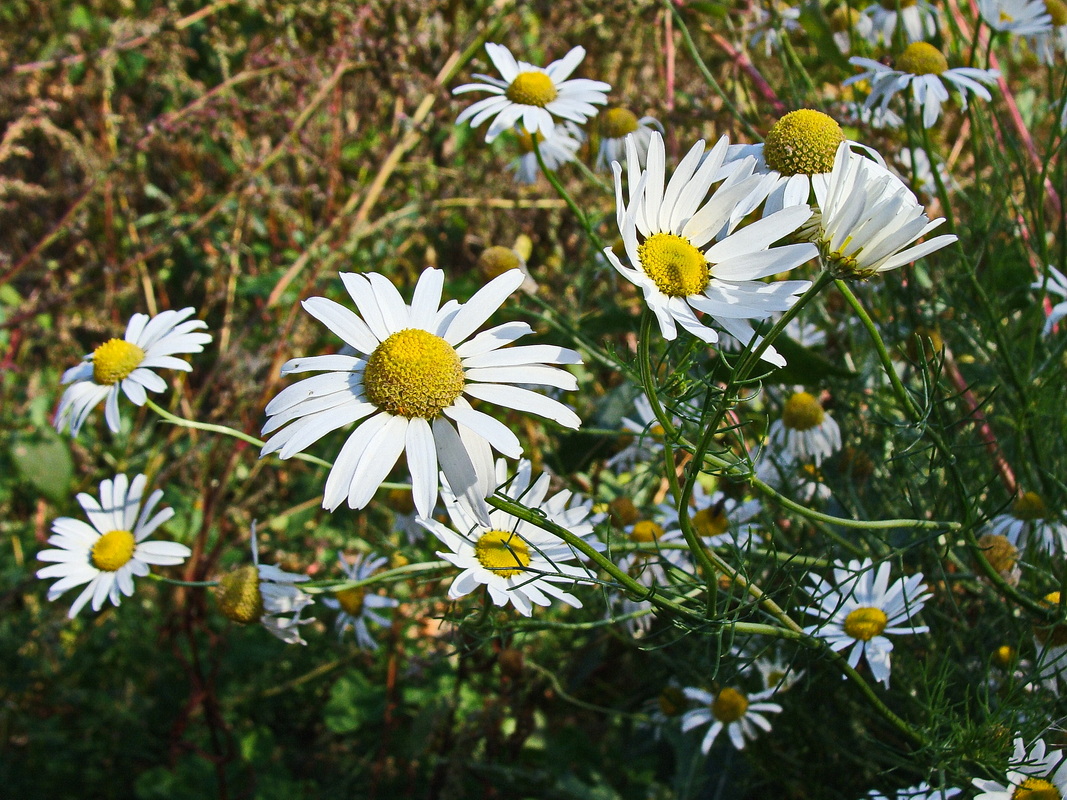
[(354, 702), (42, 459)]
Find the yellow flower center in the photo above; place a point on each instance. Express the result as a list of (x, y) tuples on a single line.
[(711, 521), (1036, 789), (496, 260), (672, 262), (238, 595), (413, 374), (843, 19), (351, 600), (532, 89), (998, 551), (1054, 635), (1058, 12), (645, 532), (729, 705), (922, 58), (802, 412), (1006, 17), (113, 550), (803, 142), (114, 360), (623, 511), (1004, 655), (617, 122), (891, 5), (1029, 506), (502, 553), (865, 623)]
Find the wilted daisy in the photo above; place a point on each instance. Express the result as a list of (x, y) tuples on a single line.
[(1056, 283), (869, 220), (1038, 773), (1028, 524), (921, 791), (665, 229), (916, 18), (859, 607), (742, 716), (408, 389), (265, 594), (532, 96), (925, 69), (517, 562), (126, 364), (805, 431), (1019, 17), (615, 125), (108, 553), (556, 150), (356, 605)]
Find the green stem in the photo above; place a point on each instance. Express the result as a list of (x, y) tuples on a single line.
[(173, 582), (388, 576)]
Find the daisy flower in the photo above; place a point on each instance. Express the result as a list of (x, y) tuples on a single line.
[(805, 431), (108, 553), (1020, 17), (532, 96), (648, 435), (1050, 644), (1047, 43), (407, 387), (869, 220), (650, 566), (847, 23), (556, 150), (1039, 772), (126, 364), (1002, 556), (615, 125), (860, 606), (777, 673), (771, 25), (917, 19), (1028, 524), (517, 562), (1056, 283), (925, 69), (665, 228), (729, 709), (267, 594), (918, 162), (921, 791), (357, 605), (719, 520)]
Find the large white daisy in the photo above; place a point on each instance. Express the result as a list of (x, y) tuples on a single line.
[(408, 385), (859, 606), (742, 716), (664, 229), (127, 364), (1041, 772), (110, 551), (532, 96)]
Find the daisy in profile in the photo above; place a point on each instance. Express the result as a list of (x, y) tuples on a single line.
[(556, 150), (1038, 773), (667, 231), (1029, 525), (265, 594), (127, 365), (869, 221), (615, 125), (742, 716), (532, 96), (109, 551), (356, 605), (1055, 283), (859, 607), (921, 791), (517, 562), (917, 19), (926, 70), (805, 431), (408, 385), (1018, 17)]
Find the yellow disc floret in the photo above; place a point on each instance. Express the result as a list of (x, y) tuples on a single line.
[(921, 58), (114, 360), (998, 551), (646, 531), (238, 595), (351, 600), (803, 142), (1029, 506), (843, 19), (413, 374), (802, 412), (617, 122), (113, 550), (503, 553), (496, 260), (1053, 635), (711, 521), (672, 262), (864, 624), (1036, 789), (532, 89), (1058, 11), (729, 705)]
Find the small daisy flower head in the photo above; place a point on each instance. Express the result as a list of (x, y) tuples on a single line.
[(358, 605), (111, 549), (1029, 525), (648, 436), (1039, 773), (658, 548), (265, 594), (1055, 283), (667, 229), (848, 24), (777, 673), (917, 19), (770, 25), (560, 148), (615, 125), (922, 67), (533, 97), (496, 259), (723, 521), (127, 365), (859, 609), (921, 791), (742, 716), (407, 388), (517, 562), (1047, 44), (869, 221), (1002, 556), (805, 431), (1018, 17)]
